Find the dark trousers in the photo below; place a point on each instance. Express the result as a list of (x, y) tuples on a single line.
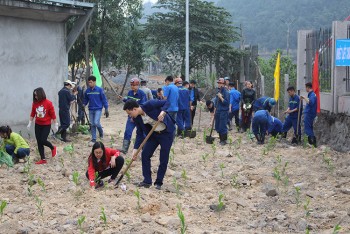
[(21, 152), (221, 118), (81, 115), (246, 118), (193, 113), (129, 128), (289, 122), (41, 134), (165, 140), (64, 119), (236, 115), (113, 172), (309, 125)]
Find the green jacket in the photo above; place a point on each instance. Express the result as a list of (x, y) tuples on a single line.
[(16, 140)]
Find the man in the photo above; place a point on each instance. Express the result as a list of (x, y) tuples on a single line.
[(292, 116), (274, 127), (235, 98), (194, 94), (96, 98), (171, 94), (80, 98), (310, 113), (222, 108), (211, 108), (146, 90), (186, 85), (260, 125), (227, 82), (183, 119), (264, 103), (65, 98), (140, 97), (145, 117)]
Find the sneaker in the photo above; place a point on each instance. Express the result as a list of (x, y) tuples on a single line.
[(143, 184), (158, 186), (91, 143), (54, 151), (42, 161)]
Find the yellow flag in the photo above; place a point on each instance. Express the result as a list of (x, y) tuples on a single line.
[(277, 77)]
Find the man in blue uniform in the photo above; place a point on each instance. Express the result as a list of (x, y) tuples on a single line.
[(195, 98), (260, 125), (140, 97), (145, 117), (183, 120), (274, 127), (221, 114), (264, 103), (310, 113), (96, 98), (292, 117), (235, 98), (171, 94)]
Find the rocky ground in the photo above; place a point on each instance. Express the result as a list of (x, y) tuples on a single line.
[(275, 188)]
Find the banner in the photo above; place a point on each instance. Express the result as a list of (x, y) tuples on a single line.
[(342, 52)]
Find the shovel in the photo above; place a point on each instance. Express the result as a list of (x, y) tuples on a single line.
[(209, 139), (137, 152), (191, 133)]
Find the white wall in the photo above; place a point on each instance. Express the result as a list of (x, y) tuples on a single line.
[(32, 54)]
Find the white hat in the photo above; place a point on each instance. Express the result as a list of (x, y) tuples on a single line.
[(69, 82)]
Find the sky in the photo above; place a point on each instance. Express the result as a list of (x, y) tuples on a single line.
[(150, 1)]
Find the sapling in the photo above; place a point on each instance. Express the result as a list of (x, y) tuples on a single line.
[(184, 175), (230, 143), (213, 147), (204, 134), (39, 205), (61, 159), (76, 178), (128, 176), (181, 216), (306, 207), (31, 182), (183, 143), (221, 203), (137, 195), (297, 196), (238, 155), (205, 156), (69, 149), (80, 222), (103, 217), (305, 141), (41, 184), (97, 177), (234, 181), (239, 142), (222, 166), (176, 186), (119, 133), (2, 207), (336, 229)]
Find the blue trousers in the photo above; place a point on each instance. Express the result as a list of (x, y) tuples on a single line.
[(21, 152), (95, 116), (221, 119), (289, 122), (183, 120), (259, 125), (173, 115), (309, 125), (129, 128), (165, 140), (64, 119)]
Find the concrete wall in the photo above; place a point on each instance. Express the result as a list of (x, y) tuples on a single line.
[(301, 59), (32, 54)]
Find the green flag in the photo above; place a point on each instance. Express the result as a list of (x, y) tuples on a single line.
[(96, 72)]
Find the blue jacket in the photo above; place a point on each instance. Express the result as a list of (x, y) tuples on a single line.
[(274, 125), (223, 105), (294, 104), (262, 104), (311, 107), (184, 98), (235, 98), (140, 96), (152, 108), (96, 98), (171, 92), (65, 97)]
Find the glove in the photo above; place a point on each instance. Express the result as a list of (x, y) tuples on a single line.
[(106, 113), (56, 127), (134, 156), (29, 125)]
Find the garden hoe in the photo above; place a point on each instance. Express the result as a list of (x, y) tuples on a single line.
[(137, 152)]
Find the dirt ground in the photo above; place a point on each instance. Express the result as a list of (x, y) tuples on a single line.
[(275, 188)]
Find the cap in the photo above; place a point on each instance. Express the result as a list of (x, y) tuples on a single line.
[(135, 81), (193, 82), (272, 102), (69, 82), (178, 81), (221, 81), (226, 78)]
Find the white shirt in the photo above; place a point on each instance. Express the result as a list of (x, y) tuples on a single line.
[(148, 120)]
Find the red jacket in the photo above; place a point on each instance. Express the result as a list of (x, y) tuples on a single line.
[(43, 112), (91, 170)]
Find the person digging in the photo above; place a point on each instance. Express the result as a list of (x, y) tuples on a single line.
[(222, 108)]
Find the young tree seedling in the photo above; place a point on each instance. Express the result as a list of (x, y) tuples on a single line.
[(39, 205), (181, 216), (31, 182), (306, 207), (305, 141), (336, 229), (2, 207), (128, 176), (221, 203), (213, 147), (222, 166), (239, 142), (297, 196), (80, 222), (69, 149), (76, 178), (137, 195), (234, 182), (41, 184), (103, 217), (184, 175), (176, 186), (204, 157)]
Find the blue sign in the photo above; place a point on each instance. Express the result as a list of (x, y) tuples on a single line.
[(342, 52)]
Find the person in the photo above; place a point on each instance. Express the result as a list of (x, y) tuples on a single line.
[(44, 113), (160, 94), (145, 117), (227, 83), (292, 116), (274, 126), (96, 98), (103, 162), (14, 144), (260, 125), (235, 97), (80, 98), (310, 113), (222, 108), (264, 103), (183, 119), (248, 97), (65, 98), (194, 93), (186, 85), (211, 108), (146, 90), (140, 97), (171, 94)]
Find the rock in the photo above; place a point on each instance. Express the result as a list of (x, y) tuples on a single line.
[(331, 215), (281, 217), (216, 208), (163, 221), (345, 191), (63, 212), (173, 223), (240, 202), (20, 169), (99, 230), (18, 210), (23, 230), (53, 222), (302, 225), (115, 217), (270, 190), (58, 168), (146, 218)]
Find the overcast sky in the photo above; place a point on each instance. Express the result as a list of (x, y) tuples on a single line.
[(150, 1)]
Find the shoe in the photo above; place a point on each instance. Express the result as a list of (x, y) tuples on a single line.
[(42, 161), (91, 143), (143, 184), (158, 186), (54, 151), (314, 141), (294, 140), (111, 181), (15, 160), (125, 148)]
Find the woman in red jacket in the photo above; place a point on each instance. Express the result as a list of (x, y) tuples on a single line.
[(44, 113), (104, 161)]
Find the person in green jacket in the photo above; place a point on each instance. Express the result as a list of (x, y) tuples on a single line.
[(14, 144)]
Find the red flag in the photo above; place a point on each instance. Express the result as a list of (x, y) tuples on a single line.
[(315, 82)]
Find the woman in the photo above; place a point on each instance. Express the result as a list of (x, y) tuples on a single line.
[(44, 113), (14, 144), (247, 99), (103, 162)]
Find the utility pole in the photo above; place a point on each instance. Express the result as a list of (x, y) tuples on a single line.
[(289, 24), (187, 72), (241, 73)]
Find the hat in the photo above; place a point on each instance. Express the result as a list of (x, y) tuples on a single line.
[(135, 81), (221, 81), (226, 78), (193, 82), (69, 82), (178, 81), (272, 102)]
